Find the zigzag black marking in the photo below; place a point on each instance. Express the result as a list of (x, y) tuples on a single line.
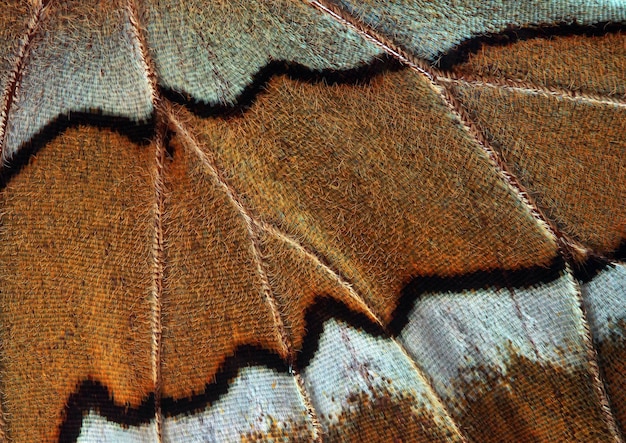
[(355, 76), (92, 395), (522, 278), (139, 133), (461, 52), (143, 132)]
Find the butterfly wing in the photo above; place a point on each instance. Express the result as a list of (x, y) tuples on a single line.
[(281, 220)]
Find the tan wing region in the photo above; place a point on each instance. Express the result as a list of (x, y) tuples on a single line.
[(75, 254), (204, 226), (355, 178), (567, 151), (558, 405), (214, 293), (600, 67), (274, 201)]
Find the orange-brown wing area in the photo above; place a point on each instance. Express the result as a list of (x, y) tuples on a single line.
[(520, 411), (344, 174), (566, 148), (214, 297), (600, 67), (310, 196), (77, 229)]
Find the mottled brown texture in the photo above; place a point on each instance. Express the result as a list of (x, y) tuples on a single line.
[(612, 361), (365, 177), (595, 65), (569, 156), (297, 281), (380, 416), (212, 295), (531, 402), (315, 188), (75, 277), (291, 432)]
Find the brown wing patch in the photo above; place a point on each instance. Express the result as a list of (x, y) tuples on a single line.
[(75, 272), (381, 416), (298, 278), (599, 63), (379, 180), (213, 298), (533, 402), (554, 111), (567, 153)]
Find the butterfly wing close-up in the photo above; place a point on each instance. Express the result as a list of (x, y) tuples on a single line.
[(321, 220)]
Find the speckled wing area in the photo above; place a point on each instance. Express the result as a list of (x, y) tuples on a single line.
[(326, 221)]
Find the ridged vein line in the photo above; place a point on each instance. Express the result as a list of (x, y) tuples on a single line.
[(592, 359), (8, 96), (530, 89), (335, 275), (158, 260), (555, 389), (156, 291), (439, 82), (10, 92), (252, 227), (343, 282)]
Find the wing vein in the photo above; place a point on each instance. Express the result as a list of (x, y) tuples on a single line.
[(441, 82), (529, 88), (10, 92), (253, 228), (158, 260)]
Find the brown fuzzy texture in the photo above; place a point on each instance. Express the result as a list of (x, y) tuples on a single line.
[(344, 191), (569, 155), (380, 416), (212, 294), (600, 63), (368, 181), (297, 281), (532, 402), (75, 254)]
